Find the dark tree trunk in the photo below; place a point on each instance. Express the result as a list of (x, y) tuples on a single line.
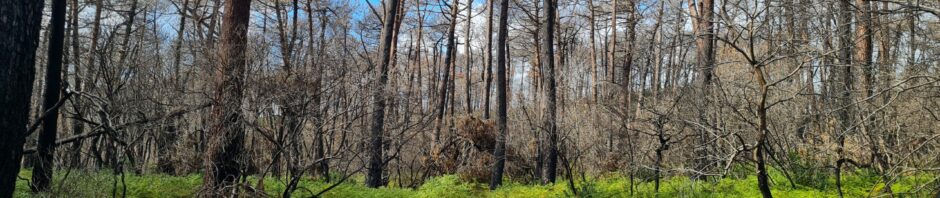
[(663, 146), (376, 162), (501, 95), (548, 64), (223, 161), (42, 173), (489, 60), (469, 68), (19, 34), (763, 179), (446, 88)]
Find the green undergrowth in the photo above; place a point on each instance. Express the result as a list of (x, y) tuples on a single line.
[(859, 183)]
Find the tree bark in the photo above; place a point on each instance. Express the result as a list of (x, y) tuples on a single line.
[(501, 96), (178, 45), (489, 59), (376, 162), (550, 111), (592, 28), (863, 44), (469, 67), (19, 34), (703, 26), (611, 56), (223, 163), (42, 172), (763, 179)]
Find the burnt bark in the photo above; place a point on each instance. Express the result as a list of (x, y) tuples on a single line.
[(468, 70), (42, 172), (19, 34), (501, 96), (550, 111), (223, 163), (376, 136), (489, 59)]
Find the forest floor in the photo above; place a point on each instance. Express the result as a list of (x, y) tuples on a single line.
[(859, 183)]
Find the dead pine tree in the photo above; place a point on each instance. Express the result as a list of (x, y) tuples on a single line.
[(376, 136), (20, 34), (488, 59), (42, 172), (703, 26), (223, 163), (501, 96), (548, 70)]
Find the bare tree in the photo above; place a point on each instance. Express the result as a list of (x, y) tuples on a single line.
[(703, 24), (468, 69), (20, 33), (42, 176), (223, 162), (550, 111), (376, 137), (488, 59), (501, 95)]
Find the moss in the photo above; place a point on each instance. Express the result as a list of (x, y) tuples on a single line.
[(860, 183)]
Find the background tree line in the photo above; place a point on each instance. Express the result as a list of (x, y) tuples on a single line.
[(491, 90)]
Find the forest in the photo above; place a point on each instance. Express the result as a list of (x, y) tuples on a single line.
[(469, 98)]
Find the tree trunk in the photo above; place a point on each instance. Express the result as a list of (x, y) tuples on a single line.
[(489, 59), (630, 41), (178, 45), (657, 51), (593, 32), (886, 74), (763, 179), (42, 173), (376, 162), (19, 34), (863, 44), (501, 96), (611, 56), (448, 67), (844, 89), (77, 126), (550, 111), (469, 68), (223, 163), (703, 26)]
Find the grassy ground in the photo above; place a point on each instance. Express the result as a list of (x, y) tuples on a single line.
[(857, 184)]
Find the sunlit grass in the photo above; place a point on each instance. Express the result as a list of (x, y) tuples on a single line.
[(859, 183)]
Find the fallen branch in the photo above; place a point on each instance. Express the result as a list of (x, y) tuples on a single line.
[(69, 140)]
